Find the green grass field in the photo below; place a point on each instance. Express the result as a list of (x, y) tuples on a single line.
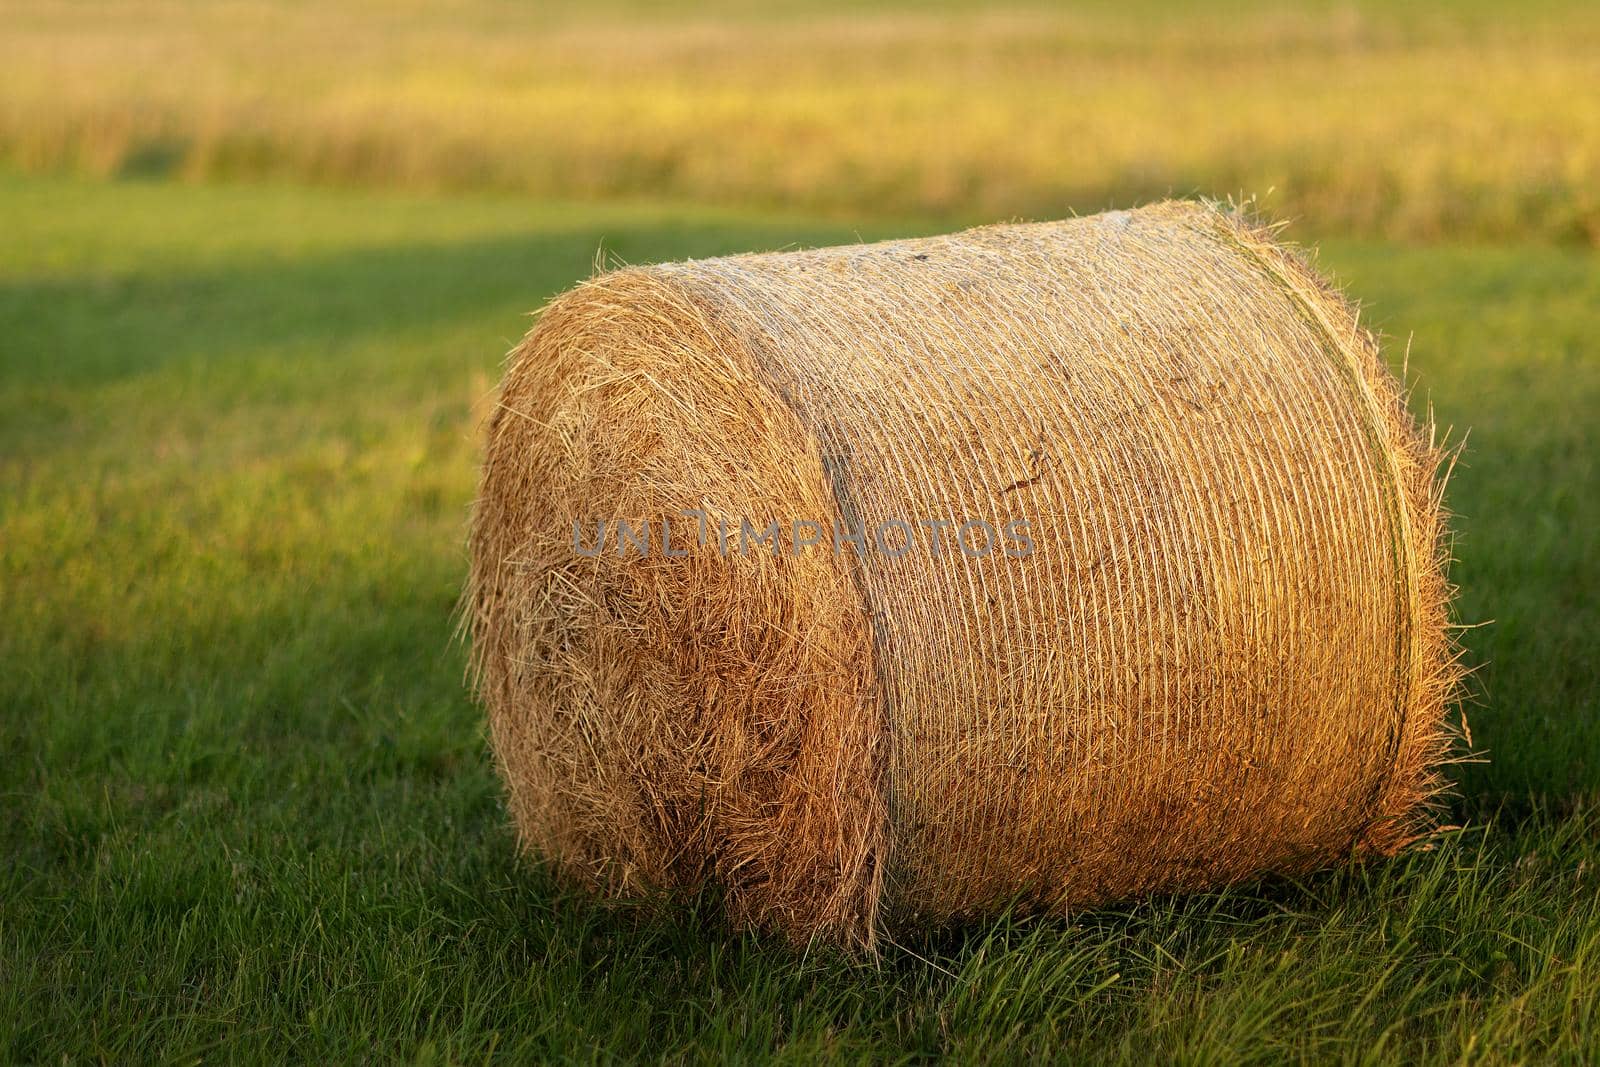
[(249, 809)]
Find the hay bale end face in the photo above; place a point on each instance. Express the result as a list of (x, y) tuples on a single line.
[(890, 584)]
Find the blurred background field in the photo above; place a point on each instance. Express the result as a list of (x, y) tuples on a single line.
[(258, 267), (1396, 119)]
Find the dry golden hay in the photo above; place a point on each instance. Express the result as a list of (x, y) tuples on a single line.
[(1226, 653)]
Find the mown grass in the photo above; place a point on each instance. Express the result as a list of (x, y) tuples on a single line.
[(1410, 119), (249, 811)]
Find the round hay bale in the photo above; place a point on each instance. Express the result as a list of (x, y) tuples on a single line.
[(1185, 621)]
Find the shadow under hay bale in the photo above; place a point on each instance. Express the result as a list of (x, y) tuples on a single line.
[(1104, 559)]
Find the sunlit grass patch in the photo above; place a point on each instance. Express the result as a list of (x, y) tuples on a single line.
[(250, 812)]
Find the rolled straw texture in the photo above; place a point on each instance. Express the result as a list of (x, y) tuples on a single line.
[(1225, 655)]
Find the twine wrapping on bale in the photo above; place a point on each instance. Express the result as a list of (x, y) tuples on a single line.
[(1225, 652)]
